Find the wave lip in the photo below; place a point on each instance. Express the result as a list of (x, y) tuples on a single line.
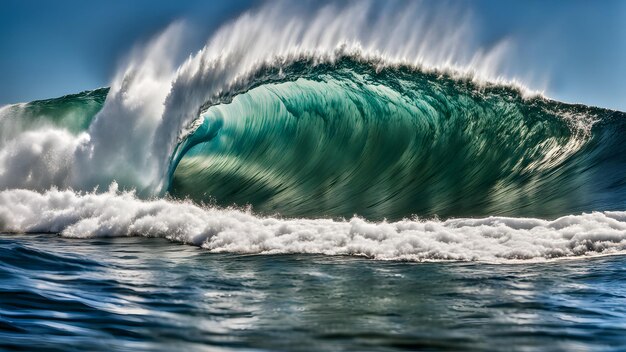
[(493, 239)]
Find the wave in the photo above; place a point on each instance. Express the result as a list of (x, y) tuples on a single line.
[(382, 117), (73, 113), (37, 139), (349, 137)]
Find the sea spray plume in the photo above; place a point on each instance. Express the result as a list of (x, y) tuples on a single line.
[(122, 133), (47, 143), (493, 239), (280, 34)]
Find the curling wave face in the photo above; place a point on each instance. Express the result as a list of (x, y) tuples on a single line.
[(344, 138)]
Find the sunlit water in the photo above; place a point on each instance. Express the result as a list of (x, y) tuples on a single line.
[(148, 294)]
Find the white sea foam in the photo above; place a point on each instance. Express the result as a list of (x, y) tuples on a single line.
[(39, 159), (494, 239)]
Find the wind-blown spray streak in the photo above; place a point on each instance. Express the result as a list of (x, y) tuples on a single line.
[(384, 116)]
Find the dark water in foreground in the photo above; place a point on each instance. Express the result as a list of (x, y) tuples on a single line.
[(148, 294)]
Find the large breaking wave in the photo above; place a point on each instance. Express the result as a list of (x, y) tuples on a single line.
[(345, 138), (313, 120)]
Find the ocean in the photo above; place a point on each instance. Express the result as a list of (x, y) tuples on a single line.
[(318, 188), (136, 294)]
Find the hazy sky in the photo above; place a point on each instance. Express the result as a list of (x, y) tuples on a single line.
[(51, 48)]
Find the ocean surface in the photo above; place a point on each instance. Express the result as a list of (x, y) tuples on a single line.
[(321, 187), (136, 294)]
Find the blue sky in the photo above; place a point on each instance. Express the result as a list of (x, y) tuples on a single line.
[(51, 48)]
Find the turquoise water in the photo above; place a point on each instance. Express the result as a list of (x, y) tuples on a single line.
[(334, 140), (136, 294)]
